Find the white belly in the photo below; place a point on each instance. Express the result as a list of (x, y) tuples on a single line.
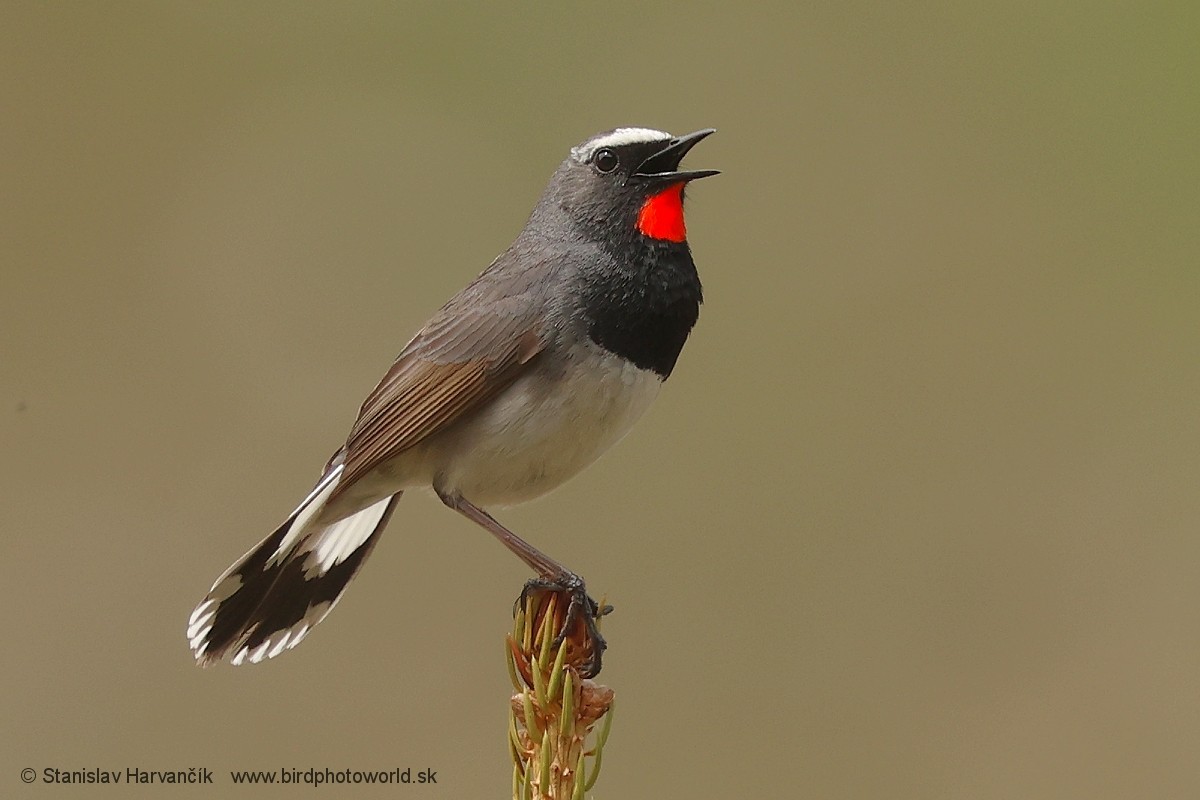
[(537, 433)]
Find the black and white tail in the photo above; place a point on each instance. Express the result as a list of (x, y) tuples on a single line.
[(270, 599)]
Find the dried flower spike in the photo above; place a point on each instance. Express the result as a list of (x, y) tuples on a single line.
[(554, 713)]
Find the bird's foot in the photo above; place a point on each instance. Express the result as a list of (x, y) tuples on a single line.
[(579, 621)]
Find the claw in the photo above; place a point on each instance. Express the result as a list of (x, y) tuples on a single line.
[(580, 608)]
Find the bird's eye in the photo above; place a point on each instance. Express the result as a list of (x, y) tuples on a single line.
[(606, 160)]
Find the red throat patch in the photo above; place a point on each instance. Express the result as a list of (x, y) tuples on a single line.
[(661, 216)]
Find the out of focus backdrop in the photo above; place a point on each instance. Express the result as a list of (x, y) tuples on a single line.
[(916, 516)]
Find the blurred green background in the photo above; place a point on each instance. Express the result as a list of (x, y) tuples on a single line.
[(916, 516)]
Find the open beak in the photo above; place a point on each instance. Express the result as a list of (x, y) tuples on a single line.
[(663, 166)]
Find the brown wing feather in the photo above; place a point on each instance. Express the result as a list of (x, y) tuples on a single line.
[(457, 362)]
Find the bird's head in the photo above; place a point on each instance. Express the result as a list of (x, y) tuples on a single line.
[(627, 182)]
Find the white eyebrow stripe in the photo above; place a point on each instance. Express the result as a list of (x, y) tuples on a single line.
[(619, 137)]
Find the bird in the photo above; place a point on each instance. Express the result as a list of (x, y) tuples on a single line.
[(522, 379)]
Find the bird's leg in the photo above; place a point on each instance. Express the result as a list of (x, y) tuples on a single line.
[(551, 576)]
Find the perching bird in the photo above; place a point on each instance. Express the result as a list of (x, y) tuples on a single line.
[(524, 378)]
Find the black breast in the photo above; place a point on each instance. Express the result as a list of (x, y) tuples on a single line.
[(644, 309)]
